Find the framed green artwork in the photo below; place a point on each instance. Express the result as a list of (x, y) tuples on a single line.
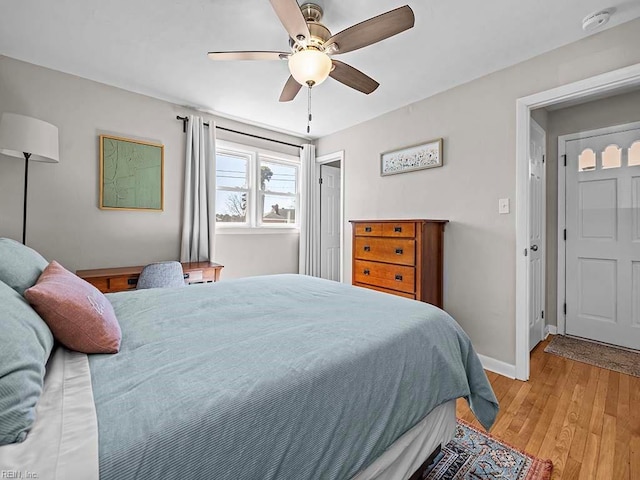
[(131, 174)]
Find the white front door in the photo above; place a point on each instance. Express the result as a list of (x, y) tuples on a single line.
[(330, 222), (603, 237), (537, 192)]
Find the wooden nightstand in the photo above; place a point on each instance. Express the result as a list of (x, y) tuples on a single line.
[(109, 280)]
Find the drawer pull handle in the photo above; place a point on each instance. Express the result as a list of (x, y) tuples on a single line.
[(399, 251), (399, 278), (132, 281), (366, 272), (397, 229), (367, 229), (367, 248)]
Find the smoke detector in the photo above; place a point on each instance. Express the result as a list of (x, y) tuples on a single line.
[(595, 20)]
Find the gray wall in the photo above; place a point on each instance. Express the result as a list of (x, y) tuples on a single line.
[(477, 122), (64, 221), (610, 111)]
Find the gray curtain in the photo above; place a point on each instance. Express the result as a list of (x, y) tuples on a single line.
[(199, 212), (309, 214)]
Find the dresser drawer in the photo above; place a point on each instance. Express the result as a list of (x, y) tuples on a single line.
[(400, 229), (401, 251), (368, 229), (394, 277), (386, 290)]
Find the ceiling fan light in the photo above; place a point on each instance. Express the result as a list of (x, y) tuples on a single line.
[(310, 67)]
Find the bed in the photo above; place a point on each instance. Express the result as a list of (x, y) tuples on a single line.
[(274, 377)]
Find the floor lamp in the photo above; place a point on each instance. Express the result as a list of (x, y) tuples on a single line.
[(31, 139)]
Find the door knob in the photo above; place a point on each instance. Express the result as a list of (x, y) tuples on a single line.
[(534, 248)]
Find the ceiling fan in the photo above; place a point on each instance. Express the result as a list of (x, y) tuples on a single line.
[(312, 46)]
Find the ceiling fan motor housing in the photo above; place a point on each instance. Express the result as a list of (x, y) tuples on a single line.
[(312, 14)]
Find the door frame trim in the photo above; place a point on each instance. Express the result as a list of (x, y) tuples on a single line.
[(597, 85), (321, 160), (562, 199)]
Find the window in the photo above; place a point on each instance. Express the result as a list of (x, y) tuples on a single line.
[(634, 154), (587, 160), (278, 191), (256, 188), (232, 182), (611, 157)]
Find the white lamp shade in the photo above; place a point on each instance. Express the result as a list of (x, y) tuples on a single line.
[(20, 134), (310, 66)]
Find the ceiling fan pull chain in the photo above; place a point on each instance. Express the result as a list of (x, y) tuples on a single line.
[(309, 110)]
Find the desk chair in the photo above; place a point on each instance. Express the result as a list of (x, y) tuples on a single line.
[(160, 275)]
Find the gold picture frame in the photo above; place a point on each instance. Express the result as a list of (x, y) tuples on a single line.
[(131, 174), (409, 159)]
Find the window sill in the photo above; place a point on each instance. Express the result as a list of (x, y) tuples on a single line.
[(257, 230)]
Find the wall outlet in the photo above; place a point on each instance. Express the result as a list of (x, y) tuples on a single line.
[(503, 206)]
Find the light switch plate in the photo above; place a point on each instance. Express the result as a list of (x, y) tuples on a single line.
[(503, 206)]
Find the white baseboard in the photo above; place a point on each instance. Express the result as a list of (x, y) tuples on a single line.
[(498, 366), (550, 330)]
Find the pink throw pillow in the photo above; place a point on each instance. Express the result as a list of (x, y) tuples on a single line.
[(78, 314)]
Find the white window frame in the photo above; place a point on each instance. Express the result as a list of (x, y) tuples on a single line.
[(254, 223), (249, 191), (263, 157)]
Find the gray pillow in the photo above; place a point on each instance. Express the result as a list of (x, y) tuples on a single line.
[(25, 346), (20, 266)]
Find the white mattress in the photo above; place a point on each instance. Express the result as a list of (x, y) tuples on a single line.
[(409, 452), (63, 444)]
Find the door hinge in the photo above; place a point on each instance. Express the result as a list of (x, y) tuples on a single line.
[(542, 158), (525, 252), (565, 309), (565, 234), (543, 314), (320, 180), (565, 160)]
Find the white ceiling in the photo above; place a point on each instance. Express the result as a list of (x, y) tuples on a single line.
[(158, 47)]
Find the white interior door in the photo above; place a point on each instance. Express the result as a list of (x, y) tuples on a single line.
[(330, 222), (537, 192), (603, 237)]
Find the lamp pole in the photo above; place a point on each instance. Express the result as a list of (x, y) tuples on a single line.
[(24, 208)]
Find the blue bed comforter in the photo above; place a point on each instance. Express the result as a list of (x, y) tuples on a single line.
[(275, 377)]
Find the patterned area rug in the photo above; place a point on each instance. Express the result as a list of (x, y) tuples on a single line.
[(473, 455), (603, 356)]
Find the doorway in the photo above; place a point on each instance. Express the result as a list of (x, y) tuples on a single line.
[(600, 85), (600, 197), (331, 178)]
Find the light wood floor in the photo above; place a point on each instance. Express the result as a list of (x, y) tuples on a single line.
[(584, 418)]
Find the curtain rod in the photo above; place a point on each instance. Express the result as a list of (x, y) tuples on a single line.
[(184, 121)]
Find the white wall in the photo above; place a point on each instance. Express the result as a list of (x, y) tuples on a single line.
[(602, 113), (477, 122), (64, 221)]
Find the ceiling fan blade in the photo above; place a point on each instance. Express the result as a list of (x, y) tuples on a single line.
[(290, 16), (373, 30), (248, 55), (290, 90), (352, 77)]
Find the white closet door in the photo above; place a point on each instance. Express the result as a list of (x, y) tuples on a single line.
[(330, 222), (536, 234)]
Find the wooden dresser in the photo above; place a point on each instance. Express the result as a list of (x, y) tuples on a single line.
[(109, 280), (402, 257)]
